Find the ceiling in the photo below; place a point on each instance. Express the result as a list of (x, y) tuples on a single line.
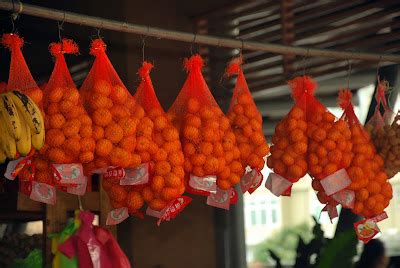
[(358, 26)]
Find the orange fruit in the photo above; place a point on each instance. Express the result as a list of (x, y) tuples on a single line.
[(36, 94), (56, 94), (160, 122), (190, 133), (193, 106), (157, 204), (206, 148), (54, 137), (142, 143), (162, 167), (145, 157), (86, 131), (56, 121), (43, 177), (211, 165), (172, 180), (193, 120), (119, 112), (72, 95), (147, 194), (41, 164), (101, 162), (73, 145), (97, 101), (198, 171), (56, 155), (103, 147), (161, 155), (198, 159), (66, 106), (86, 157), (224, 184), (128, 143), (118, 193), (170, 134), (85, 119), (169, 193), (102, 87), (178, 171), (114, 133), (119, 95), (87, 144), (102, 117), (157, 184), (71, 127), (52, 108), (98, 133), (176, 159), (138, 112)]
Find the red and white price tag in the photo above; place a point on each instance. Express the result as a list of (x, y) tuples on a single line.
[(345, 198), (136, 176), (68, 174), (15, 166), (207, 184), (79, 189), (175, 207), (43, 192), (117, 216), (368, 228), (251, 181), (332, 211), (336, 182), (221, 199), (277, 184), (114, 173)]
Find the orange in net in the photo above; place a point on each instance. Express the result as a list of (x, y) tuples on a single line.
[(201, 123), (163, 148), (246, 121), (69, 129)]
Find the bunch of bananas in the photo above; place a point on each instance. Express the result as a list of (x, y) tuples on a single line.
[(21, 126)]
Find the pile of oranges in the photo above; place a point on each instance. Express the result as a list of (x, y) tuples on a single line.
[(165, 153), (246, 121), (209, 144), (68, 127), (20, 77), (290, 142)]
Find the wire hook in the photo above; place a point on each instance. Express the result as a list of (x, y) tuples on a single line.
[(193, 42), (80, 203), (378, 67), (60, 27), (15, 15), (98, 30), (144, 42)]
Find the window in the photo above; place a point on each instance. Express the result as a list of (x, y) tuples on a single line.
[(253, 217), (274, 216), (263, 217)]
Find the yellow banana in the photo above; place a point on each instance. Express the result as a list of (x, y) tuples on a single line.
[(10, 116), (24, 144), (38, 140), (7, 141), (3, 156), (29, 110)]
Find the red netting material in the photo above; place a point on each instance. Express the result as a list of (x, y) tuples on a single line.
[(20, 78), (246, 120), (290, 142), (385, 130), (68, 126), (121, 129), (369, 180), (167, 158), (209, 143)]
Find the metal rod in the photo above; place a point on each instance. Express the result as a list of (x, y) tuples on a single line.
[(75, 18)]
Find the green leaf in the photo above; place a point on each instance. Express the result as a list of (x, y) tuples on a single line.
[(339, 251)]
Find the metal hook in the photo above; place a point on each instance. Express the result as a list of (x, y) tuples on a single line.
[(15, 14), (241, 48), (98, 30), (193, 42), (348, 73), (377, 68), (144, 42), (60, 27), (304, 61)]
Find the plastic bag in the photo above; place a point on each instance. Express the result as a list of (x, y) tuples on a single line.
[(209, 144), (288, 158), (246, 121), (385, 131), (68, 126), (369, 179), (20, 78), (166, 154)]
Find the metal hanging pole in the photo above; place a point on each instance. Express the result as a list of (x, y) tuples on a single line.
[(97, 22)]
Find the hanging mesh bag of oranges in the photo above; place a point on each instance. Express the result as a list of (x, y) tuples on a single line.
[(209, 144), (167, 159), (329, 143), (246, 123), (385, 131), (121, 130), (288, 158), (373, 191), (69, 141)]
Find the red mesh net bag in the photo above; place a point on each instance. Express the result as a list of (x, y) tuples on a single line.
[(385, 131), (369, 180), (166, 154), (288, 158), (68, 126), (246, 121), (121, 129), (20, 78), (209, 144), (114, 113)]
